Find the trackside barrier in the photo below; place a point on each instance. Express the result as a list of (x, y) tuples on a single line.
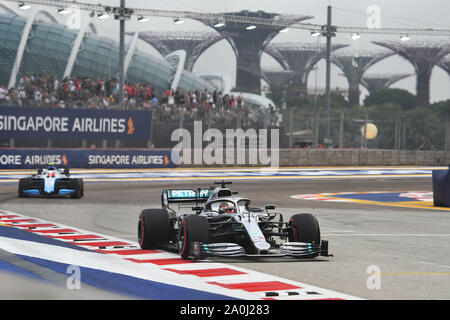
[(343, 157), (74, 124), (25, 158), (441, 188), (85, 158)]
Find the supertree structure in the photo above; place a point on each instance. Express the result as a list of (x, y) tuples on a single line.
[(374, 82), (300, 58), (445, 64), (278, 77), (193, 42), (354, 66), (423, 56), (248, 43)]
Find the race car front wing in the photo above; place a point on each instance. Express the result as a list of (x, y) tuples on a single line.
[(231, 250)]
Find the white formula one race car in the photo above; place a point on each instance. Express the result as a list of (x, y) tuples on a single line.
[(223, 224), (51, 182)]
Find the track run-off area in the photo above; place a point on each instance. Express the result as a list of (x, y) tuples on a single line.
[(387, 238)]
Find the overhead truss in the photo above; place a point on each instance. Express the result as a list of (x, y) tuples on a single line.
[(217, 17)]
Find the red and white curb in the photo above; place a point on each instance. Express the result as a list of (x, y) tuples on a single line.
[(125, 257)]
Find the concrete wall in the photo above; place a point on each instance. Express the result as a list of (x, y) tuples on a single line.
[(353, 157), (314, 157)]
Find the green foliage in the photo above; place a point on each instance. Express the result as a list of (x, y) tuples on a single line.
[(400, 97), (388, 109), (277, 95), (337, 101), (424, 128), (442, 108)]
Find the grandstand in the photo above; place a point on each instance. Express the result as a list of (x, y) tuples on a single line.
[(37, 44)]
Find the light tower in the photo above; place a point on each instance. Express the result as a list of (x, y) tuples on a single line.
[(423, 56)]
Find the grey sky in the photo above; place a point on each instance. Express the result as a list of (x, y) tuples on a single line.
[(394, 13)]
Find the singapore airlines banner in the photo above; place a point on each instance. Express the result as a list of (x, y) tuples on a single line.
[(74, 124), (85, 158)]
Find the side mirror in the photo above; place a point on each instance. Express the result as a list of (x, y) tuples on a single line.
[(269, 207)]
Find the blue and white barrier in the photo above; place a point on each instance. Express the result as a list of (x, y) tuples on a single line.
[(86, 158)]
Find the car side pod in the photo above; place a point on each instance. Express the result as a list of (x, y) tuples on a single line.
[(441, 188)]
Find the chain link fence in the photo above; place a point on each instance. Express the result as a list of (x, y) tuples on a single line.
[(387, 128)]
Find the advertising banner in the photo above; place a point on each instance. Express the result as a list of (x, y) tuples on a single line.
[(74, 124), (85, 158)]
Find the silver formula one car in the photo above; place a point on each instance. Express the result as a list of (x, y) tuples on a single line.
[(223, 224), (51, 182)]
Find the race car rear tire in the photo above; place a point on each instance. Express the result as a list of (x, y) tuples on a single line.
[(192, 229), (153, 228), (78, 185), (304, 228)]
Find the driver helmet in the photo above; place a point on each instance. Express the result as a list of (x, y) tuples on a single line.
[(226, 207)]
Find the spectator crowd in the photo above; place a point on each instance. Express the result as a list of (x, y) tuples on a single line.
[(170, 105)]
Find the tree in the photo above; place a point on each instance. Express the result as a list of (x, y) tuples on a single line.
[(424, 128), (401, 97), (277, 94)]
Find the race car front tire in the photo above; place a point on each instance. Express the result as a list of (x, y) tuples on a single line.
[(23, 185), (153, 228), (78, 185), (304, 227), (192, 229)]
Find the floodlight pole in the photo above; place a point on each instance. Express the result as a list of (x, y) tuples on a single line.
[(329, 32), (121, 55), (122, 14)]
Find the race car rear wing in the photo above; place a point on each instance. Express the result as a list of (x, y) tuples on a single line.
[(184, 196)]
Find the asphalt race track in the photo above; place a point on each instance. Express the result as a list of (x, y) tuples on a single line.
[(380, 252)]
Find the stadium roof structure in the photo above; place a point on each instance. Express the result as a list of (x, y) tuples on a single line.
[(300, 58), (424, 56), (354, 65), (374, 82), (37, 44), (249, 41), (193, 42)]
